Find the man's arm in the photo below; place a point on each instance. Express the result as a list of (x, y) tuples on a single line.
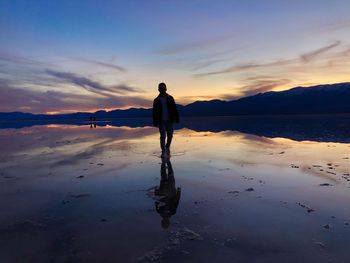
[(154, 113), (177, 118)]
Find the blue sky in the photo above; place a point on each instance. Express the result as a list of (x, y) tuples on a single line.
[(63, 56)]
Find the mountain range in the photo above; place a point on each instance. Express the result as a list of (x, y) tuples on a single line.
[(320, 99)]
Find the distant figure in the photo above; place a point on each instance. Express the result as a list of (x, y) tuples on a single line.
[(92, 122), (164, 115), (169, 195)]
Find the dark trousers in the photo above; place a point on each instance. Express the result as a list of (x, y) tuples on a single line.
[(166, 132)]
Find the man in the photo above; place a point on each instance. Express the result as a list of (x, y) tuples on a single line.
[(164, 115)]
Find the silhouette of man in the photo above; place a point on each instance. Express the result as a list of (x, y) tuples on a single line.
[(168, 202), (164, 115)]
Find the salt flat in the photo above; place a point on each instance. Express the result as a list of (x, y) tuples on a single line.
[(71, 193)]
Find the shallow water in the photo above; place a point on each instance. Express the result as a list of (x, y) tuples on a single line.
[(241, 191)]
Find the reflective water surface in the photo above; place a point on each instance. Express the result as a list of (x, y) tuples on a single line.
[(234, 190)]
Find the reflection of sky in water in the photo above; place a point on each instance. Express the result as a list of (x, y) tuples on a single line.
[(67, 178)]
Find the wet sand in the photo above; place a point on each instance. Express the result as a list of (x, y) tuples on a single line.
[(75, 194)]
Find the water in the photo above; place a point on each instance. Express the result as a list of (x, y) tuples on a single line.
[(245, 189)]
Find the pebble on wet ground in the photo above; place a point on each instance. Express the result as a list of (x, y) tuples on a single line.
[(174, 241), (78, 195), (320, 244), (233, 192), (325, 184), (200, 202), (308, 209)]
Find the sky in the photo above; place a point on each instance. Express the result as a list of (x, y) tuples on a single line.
[(69, 55)]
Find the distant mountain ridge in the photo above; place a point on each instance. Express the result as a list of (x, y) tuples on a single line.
[(320, 99)]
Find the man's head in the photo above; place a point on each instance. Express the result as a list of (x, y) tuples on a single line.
[(162, 88)]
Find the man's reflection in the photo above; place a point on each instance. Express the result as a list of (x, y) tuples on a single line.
[(169, 195)]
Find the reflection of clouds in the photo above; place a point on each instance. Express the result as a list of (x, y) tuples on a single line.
[(91, 151), (68, 140), (255, 151), (71, 150), (318, 173), (252, 139), (74, 157), (261, 141), (68, 146)]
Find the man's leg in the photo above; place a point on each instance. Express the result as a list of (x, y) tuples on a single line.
[(162, 129), (169, 132)]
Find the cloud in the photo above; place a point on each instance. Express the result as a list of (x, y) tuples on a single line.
[(307, 57), (331, 26), (189, 99), (194, 45), (22, 60), (339, 58), (258, 86), (101, 63), (91, 85), (206, 64), (215, 58), (304, 58), (21, 99), (262, 86), (247, 66)]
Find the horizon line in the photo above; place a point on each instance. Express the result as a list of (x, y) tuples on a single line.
[(125, 109)]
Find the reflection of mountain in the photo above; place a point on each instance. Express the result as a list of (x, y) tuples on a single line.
[(321, 128), (322, 99)]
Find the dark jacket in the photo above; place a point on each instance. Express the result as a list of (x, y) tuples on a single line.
[(157, 110)]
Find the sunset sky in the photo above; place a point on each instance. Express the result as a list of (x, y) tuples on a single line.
[(66, 56)]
